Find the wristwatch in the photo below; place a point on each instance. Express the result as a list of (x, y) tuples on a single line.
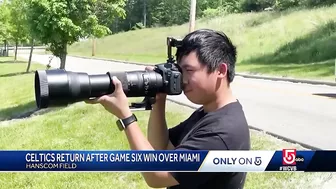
[(123, 123)]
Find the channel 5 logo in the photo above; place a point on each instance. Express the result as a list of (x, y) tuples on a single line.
[(288, 156)]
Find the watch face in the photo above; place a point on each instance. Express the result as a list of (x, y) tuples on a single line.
[(120, 125)]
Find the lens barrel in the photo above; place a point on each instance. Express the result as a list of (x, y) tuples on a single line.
[(59, 87)]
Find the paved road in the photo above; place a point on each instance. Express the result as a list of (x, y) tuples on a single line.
[(300, 112)]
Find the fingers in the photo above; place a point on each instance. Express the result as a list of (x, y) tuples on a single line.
[(149, 68), (117, 85), (106, 99), (96, 100)]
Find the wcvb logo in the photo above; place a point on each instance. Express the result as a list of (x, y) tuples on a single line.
[(289, 156)]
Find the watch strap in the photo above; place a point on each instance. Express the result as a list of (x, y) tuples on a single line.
[(124, 123)]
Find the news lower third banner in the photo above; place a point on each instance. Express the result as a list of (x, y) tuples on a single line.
[(171, 161)]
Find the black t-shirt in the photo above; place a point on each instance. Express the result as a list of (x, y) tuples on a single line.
[(223, 129)]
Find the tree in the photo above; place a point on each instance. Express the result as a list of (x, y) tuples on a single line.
[(107, 11), (167, 13), (59, 23), (133, 9), (4, 23), (18, 21)]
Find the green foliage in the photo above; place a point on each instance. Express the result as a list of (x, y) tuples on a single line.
[(285, 4), (291, 43), (171, 12), (4, 21), (62, 22), (18, 21), (211, 13), (138, 26), (159, 12), (255, 5), (260, 5), (175, 12), (134, 14), (58, 22), (316, 3), (109, 10), (230, 6)]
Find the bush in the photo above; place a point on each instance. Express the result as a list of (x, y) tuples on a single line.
[(286, 4), (211, 13), (316, 3), (231, 6), (260, 5), (138, 26), (255, 5)]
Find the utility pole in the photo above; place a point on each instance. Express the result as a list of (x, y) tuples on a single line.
[(192, 18), (144, 12)]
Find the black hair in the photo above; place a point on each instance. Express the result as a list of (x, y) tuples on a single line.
[(212, 48)]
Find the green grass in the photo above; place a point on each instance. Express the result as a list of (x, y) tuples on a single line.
[(17, 87), (91, 127), (295, 43), (87, 127)]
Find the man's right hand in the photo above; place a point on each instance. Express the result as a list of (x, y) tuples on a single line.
[(157, 131), (161, 97)]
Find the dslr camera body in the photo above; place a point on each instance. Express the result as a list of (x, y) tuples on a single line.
[(170, 71), (58, 87)]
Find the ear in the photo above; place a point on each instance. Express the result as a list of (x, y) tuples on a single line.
[(222, 70)]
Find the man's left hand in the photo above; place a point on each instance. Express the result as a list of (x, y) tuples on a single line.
[(116, 103)]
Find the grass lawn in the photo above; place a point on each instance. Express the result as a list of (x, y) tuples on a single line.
[(17, 87), (90, 127), (296, 43)]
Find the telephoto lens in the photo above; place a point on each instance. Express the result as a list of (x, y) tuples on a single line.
[(57, 87)]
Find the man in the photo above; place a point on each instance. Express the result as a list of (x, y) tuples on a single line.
[(207, 59)]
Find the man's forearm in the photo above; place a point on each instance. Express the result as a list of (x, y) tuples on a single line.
[(157, 131)]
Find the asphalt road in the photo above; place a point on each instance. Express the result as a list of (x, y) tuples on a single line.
[(300, 112)]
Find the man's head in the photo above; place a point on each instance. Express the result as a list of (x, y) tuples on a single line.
[(207, 59)]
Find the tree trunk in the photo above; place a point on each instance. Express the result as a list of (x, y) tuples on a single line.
[(16, 46), (30, 55), (5, 49), (63, 57), (93, 46), (144, 13)]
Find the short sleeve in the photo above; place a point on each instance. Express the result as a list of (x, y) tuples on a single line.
[(176, 132), (202, 140)]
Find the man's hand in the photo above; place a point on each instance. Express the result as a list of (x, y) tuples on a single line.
[(116, 103), (159, 96)]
